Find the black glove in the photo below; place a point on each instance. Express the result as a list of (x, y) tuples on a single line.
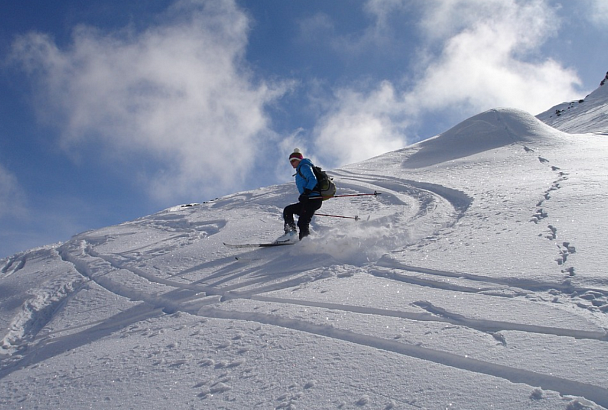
[(305, 195)]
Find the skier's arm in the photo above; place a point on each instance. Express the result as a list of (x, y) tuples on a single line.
[(309, 176)]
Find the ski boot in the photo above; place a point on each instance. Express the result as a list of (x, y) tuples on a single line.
[(290, 236)]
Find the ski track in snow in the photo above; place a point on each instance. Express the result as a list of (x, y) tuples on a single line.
[(203, 289)]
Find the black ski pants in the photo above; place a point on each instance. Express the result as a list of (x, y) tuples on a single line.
[(305, 209)]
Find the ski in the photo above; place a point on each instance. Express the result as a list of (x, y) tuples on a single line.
[(257, 245)]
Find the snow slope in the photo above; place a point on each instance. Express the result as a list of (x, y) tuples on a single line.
[(587, 115), (476, 280)]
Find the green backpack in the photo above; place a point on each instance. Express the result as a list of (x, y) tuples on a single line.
[(325, 184)]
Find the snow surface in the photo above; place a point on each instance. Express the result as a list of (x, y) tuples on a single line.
[(587, 115), (476, 280)]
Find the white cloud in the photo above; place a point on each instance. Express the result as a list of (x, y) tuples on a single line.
[(178, 93), (321, 30), (477, 55), (382, 10), (490, 57), (361, 126), (12, 196), (598, 13), (316, 27)]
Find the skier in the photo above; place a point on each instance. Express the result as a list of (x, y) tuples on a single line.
[(309, 200)]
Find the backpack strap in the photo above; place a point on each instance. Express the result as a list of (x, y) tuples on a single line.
[(312, 169)]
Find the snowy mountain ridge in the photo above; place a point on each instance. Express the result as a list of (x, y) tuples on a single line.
[(583, 116), (482, 132), (475, 280)]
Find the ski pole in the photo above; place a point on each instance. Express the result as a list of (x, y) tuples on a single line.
[(376, 193), (356, 218)]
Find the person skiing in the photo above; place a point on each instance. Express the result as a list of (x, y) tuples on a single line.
[(309, 200)]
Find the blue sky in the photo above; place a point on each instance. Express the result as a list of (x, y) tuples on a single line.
[(111, 110)]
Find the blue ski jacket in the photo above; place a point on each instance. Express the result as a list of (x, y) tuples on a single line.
[(306, 180)]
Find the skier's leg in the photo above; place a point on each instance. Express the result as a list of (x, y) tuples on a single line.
[(289, 212), (307, 211)]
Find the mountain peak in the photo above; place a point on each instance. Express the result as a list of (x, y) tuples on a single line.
[(489, 130)]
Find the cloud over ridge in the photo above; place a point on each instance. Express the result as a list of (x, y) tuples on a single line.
[(473, 55), (178, 95)]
